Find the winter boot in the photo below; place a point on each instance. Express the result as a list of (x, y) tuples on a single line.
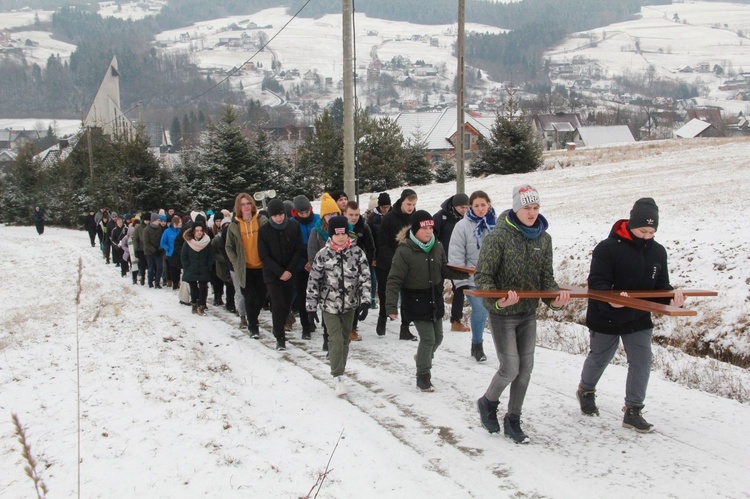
[(254, 331), (634, 420), (201, 310), (169, 283), (243, 322), (135, 277), (143, 281), (512, 427), (380, 328), (290, 320), (280, 344), (340, 386), (306, 335), (477, 351), (405, 334), (354, 335), (325, 343), (457, 326), (195, 308), (424, 383), (373, 305), (587, 399), (488, 414)]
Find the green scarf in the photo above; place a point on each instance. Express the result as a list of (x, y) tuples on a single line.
[(426, 247)]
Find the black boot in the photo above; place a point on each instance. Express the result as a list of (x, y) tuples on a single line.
[(634, 419), (424, 383), (325, 343), (488, 414), (587, 399), (380, 328), (512, 427), (405, 334), (477, 351), (135, 277)]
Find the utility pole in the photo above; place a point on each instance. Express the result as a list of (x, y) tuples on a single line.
[(349, 185), (91, 151), (461, 50)]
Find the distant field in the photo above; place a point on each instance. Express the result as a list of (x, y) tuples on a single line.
[(702, 32)]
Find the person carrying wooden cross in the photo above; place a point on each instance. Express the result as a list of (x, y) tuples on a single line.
[(516, 256), (629, 259)]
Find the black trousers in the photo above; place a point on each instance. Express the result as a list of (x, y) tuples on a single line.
[(198, 292), (280, 295), (217, 285), (255, 294), (173, 271), (300, 285), (92, 236)]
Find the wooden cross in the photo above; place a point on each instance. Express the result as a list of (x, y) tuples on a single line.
[(635, 299)]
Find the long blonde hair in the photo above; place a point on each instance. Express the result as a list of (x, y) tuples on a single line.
[(238, 204)]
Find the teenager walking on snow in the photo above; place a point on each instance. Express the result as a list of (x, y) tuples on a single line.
[(516, 256), (418, 269), (339, 283), (629, 259)]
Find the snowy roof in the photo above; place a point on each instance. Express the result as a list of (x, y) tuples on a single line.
[(692, 129), (436, 128), (563, 127), (605, 135)]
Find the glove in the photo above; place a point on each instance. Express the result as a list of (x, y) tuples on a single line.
[(313, 317), (363, 311)]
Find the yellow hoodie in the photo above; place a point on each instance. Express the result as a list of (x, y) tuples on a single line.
[(249, 233)]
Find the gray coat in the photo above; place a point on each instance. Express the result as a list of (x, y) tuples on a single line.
[(464, 248)]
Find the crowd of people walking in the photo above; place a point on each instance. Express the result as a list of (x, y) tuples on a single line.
[(342, 262)]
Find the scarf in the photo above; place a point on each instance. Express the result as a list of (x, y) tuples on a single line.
[(426, 247), (198, 244), (536, 230), (484, 224), (320, 230), (339, 248), (280, 226)]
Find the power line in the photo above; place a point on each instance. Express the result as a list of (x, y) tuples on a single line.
[(231, 73)]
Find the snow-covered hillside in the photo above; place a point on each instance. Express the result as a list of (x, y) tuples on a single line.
[(176, 405)]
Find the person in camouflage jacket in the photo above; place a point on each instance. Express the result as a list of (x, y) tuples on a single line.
[(339, 283), (516, 256)]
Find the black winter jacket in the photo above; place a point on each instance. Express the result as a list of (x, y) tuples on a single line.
[(445, 220), (280, 250), (392, 223), (624, 262), (364, 239)]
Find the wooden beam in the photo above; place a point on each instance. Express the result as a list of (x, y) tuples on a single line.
[(634, 300)]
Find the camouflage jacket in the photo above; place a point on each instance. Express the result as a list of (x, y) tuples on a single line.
[(339, 281), (509, 260)]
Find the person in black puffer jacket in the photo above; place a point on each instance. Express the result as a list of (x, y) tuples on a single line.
[(629, 259), (395, 220)]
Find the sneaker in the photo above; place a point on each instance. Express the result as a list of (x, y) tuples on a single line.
[(280, 345), (373, 305), (457, 326), (218, 302), (157, 286), (340, 386), (634, 420), (306, 336), (488, 414), (512, 428), (354, 336), (424, 383), (587, 399)]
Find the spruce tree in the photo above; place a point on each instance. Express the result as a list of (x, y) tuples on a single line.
[(445, 172), (510, 148), (418, 171)]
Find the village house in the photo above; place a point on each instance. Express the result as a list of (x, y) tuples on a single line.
[(439, 133), (555, 130), (15, 139), (696, 128)]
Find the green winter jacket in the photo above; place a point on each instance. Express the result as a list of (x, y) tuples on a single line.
[(419, 276), (509, 260), (235, 250)]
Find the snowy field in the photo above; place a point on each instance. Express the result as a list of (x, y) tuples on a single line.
[(61, 128), (132, 11), (709, 35), (176, 405), (23, 18)]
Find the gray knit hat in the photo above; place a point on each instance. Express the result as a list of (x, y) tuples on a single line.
[(301, 203), (524, 195)]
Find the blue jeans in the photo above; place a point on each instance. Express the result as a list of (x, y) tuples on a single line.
[(515, 342), (602, 349), (478, 317), (155, 268)]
